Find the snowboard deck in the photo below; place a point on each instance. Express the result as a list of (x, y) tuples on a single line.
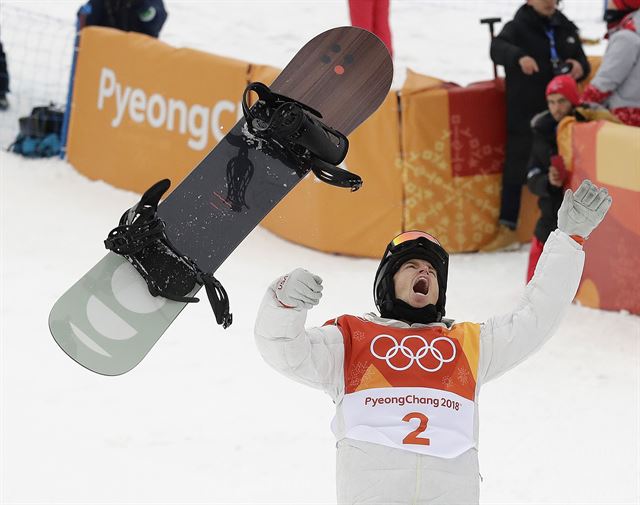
[(108, 321)]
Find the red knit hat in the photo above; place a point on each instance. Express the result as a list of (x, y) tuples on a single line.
[(564, 85)]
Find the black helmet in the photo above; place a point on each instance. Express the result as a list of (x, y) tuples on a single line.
[(406, 246)]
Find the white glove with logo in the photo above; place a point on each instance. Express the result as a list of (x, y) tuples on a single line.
[(299, 289), (581, 212)]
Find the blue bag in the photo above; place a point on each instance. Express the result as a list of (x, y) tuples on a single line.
[(40, 132)]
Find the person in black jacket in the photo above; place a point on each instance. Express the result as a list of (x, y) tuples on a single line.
[(537, 44), (546, 175), (142, 16)]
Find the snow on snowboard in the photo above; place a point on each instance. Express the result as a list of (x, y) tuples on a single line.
[(109, 320)]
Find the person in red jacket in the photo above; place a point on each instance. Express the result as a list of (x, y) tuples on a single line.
[(372, 15)]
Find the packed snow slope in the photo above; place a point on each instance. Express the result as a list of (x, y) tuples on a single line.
[(202, 419)]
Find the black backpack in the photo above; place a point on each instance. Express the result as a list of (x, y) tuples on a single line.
[(40, 132)]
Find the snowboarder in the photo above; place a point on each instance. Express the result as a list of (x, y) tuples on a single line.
[(406, 383)]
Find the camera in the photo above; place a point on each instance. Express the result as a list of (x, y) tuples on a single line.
[(561, 67)]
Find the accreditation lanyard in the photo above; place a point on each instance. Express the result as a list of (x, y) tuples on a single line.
[(552, 44)]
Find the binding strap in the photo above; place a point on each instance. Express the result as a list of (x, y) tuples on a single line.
[(297, 129), (141, 238), (335, 176), (268, 101)]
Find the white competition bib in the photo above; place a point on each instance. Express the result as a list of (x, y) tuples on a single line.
[(413, 389)]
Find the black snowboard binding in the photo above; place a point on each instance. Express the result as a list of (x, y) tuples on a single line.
[(296, 128), (142, 240)]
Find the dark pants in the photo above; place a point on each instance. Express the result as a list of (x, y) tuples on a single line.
[(514, 176), (4, 74)]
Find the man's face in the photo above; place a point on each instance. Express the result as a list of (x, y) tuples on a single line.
[(416, 283), (544, 7), (559, 106)]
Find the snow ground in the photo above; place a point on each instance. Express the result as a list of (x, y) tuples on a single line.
[(203, 419)]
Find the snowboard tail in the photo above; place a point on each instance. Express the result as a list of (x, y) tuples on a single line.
[(108, 321)]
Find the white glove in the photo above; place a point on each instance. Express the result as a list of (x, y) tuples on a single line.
[(299, 289), (581, 212)]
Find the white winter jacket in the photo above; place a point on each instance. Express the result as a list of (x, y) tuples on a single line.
[(374, 473)]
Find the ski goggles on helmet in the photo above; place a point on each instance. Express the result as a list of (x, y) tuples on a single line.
[(409, 236), (417, 244)]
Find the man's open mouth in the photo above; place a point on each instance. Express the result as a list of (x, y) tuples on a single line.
[(421, 286)]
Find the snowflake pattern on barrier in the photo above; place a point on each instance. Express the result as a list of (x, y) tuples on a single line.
[(481, 159), (461, 211)]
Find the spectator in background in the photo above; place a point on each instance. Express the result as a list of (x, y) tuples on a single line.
[(617, 82), (143, 16), (546, 174), (4, 80), (372, 15), (537, 44)]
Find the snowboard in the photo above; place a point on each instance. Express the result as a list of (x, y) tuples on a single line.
[(108, 321)]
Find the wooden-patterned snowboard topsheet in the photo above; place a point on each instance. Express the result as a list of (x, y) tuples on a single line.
[(345, 73)]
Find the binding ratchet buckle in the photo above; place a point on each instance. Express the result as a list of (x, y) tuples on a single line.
[(296, 128)]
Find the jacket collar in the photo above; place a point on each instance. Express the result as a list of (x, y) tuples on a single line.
[(544, 122), (394, 323)]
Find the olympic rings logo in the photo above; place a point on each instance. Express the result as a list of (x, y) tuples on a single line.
[(414, 357)]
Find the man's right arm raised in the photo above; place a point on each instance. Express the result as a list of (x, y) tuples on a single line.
[(312, 356)]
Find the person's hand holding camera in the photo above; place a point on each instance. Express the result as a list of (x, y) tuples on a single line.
[(576, 69)]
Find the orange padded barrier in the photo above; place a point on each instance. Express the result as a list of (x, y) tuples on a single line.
[(452, 153), (594, 62), (151, 114), (609, 155)]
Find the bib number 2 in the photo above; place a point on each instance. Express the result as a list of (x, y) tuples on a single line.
[(413, 437)]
